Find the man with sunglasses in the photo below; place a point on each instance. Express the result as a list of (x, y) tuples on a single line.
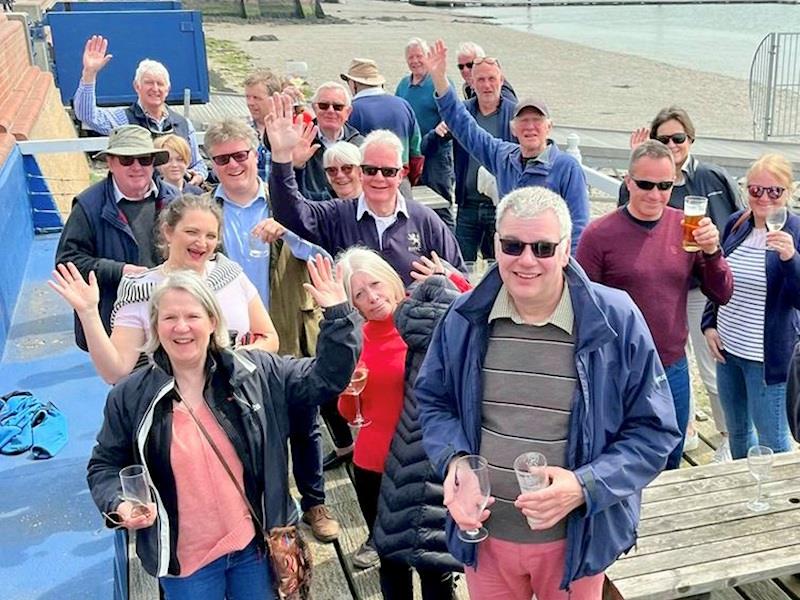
[(638, 248), (151, 84), (112, 228), (467, 53), (537, 358), (535, 161)]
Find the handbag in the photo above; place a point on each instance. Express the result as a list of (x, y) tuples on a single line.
[(290, 556)]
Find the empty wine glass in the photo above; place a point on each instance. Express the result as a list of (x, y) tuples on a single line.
[(776, 219), (759, 462), (135, 483), (472, 490), (357, 384), (531, 471)]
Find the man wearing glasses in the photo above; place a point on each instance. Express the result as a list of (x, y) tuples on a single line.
[(467, 53), (151, 83), (638, 248), (540, 359), (111, 229)]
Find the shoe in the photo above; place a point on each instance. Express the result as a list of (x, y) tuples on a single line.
[(366, 556), (692, 442), (323, 525), (332, 460), (723, 453)]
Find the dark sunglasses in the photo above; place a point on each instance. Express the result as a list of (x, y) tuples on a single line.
[(677, 138), (327, 105), (773, 191), (645, 185), (346, 169), (387, 172), (224, 159), (540, 249), (468, 65), (145, 160)]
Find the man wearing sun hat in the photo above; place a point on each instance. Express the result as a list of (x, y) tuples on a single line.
[(374, 108), (112, 227)]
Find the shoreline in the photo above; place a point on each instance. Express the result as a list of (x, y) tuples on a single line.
[(584, 87)]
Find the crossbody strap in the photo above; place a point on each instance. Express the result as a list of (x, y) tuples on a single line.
[(222, 460)]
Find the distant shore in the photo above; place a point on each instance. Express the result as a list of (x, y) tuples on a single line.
[(584, 87)]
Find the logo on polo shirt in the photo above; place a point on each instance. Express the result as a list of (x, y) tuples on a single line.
[(414, 242)]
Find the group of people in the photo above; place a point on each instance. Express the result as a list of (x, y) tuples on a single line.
[(229, 306)]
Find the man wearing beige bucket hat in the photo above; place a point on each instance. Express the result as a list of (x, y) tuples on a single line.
[(111, 230), (374, 108)]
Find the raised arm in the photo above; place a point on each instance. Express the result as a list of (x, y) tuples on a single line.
[(101, 120)]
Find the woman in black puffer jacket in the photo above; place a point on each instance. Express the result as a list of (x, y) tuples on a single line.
[(410, 524)]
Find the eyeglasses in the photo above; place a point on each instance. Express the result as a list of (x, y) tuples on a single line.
[(485, 59), (645, 185), (677, 138), (387, 172), (327, 105), (345, 169), (144, 160), (773, 191), (540, 249), (224, 159), (467, 65)]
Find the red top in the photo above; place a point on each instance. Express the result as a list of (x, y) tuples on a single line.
[(384, 354)]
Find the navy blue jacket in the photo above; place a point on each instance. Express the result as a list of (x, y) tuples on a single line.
[(97, 237), (332, 225), (175, 123), (621, 430), (781, 318)]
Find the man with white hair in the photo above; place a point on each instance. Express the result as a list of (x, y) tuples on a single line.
[(537, 358), (151, 83), (466, 55)]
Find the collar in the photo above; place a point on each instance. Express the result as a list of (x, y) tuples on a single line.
[(153, 191), (421, 82), (562, 316), (159, 120), (326, 141), (689, 165), (543, 156), (261, 195), (399, 207), (373, 91)]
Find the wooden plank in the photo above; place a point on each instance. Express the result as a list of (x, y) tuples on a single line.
[(713, 470), (791, 583), (763, 590)]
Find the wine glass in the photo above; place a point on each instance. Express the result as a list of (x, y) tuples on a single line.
[(472, 493), (357, 384), (776, 219), (759, 462), (136, 489), (530, 469)]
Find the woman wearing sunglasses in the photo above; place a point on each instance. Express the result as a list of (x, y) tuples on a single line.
[(342, 164), (752, 336), (673, 127)]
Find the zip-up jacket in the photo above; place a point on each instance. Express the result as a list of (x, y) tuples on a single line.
[(621, 430), (249, 393)]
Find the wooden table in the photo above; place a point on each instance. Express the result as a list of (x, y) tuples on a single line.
[(696, 534), (425, 195)]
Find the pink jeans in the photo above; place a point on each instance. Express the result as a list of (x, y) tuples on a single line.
[(511, 571)]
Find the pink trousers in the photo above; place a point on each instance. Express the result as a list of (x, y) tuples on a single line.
[(511, 571)]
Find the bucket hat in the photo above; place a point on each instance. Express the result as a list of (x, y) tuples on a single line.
[(364, 71), (133, 140)]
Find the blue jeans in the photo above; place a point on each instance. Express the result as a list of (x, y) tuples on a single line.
[(306, 447), (678, 379), (242, 575), (475, 229), (748, 401)]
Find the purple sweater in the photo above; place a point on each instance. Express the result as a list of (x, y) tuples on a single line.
[(653, 268)]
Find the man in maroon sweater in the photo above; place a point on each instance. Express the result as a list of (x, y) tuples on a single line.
[(638, 249)]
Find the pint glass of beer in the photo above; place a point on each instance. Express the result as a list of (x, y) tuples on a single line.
[(694, 209)]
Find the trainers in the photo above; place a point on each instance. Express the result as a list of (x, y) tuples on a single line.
[(323, 525), (332, 460), (692, 442), (723, 453), (366, 556)]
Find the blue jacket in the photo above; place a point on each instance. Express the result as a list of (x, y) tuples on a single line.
[(622, 427), (384, 111), (560, 172), (27, 423), (781, 318)]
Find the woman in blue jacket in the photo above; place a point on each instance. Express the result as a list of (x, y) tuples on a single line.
[(752, 337)]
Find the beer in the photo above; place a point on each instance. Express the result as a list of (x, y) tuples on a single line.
[(694, 209)]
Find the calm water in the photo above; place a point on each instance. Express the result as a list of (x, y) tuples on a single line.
[(715, 38)]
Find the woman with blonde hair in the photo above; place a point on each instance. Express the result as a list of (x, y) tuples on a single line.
[(176, 169), (752, 337)]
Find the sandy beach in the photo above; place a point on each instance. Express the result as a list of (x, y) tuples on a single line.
[(584, 87)]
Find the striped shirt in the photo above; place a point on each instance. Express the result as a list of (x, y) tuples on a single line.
[(740, 322)]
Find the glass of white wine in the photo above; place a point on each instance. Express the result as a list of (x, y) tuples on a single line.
[(776, 219), (759, 462), (472, 493), (357, 384)]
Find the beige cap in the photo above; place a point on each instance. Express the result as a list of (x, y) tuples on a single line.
[(364, 71), (133, 140)]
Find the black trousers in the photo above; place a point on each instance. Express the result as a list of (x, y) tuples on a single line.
[(337, 424), (395, 576)]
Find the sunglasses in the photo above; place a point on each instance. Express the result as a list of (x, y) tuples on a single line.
[(224, 159), (387, 172), (677, 138), (649, 185), (485, 59), (540, 249), (467, 65), (327, 105), (144, 160), (773, 191), (345, 169)]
